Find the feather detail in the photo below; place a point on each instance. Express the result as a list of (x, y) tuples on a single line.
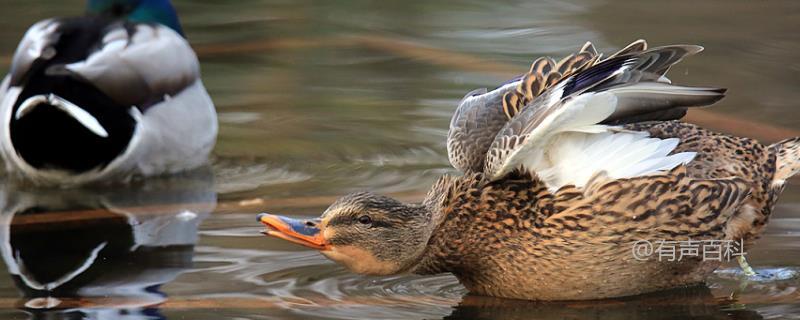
[(650, 97), (589, 47), (522, 141), (474, 125), (550, 94), (575, 63), (634, 47), (37, 44), (573, 159), (140, 67), (545, 73), (542, 66), (561, 134)]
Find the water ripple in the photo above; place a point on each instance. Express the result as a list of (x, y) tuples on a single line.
[(232, 176), (307, 284)]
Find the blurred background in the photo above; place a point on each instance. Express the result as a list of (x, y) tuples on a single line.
[(320, 98)]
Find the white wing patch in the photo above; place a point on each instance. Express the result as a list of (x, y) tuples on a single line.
[(574, 158), (580, 115), (569, 147)]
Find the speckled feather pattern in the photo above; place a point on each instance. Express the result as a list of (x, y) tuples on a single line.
[(472, 129), (513, 238), (721, 156)]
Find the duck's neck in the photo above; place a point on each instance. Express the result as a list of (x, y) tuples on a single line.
[(441, 255), (448, 247), (472, 221)]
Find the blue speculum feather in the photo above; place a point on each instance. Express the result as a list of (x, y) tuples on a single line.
[(594, 75)]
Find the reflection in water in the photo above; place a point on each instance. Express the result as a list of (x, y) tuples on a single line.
[(101, 253), (687, 303)]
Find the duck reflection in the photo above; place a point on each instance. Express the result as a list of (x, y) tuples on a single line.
[(683, 303), (101, 253)]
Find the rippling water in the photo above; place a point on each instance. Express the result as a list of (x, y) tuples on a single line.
[(317, 99)]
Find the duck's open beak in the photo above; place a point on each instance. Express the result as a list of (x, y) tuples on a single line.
[(302, 232)]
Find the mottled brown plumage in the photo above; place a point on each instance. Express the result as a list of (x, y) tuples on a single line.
[(545, 73), (550, 208), (513, 238), (721, 156)]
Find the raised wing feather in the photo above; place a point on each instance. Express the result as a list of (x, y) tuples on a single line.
[(620, 88), (634, 75), (569, 147), (473, 127), (481, 114)]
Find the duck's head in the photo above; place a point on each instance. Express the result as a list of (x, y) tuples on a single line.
[(144, 11), (368, 233)]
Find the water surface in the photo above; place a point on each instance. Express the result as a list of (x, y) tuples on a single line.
[(317, 99)]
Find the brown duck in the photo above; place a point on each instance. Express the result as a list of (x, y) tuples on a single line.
[(564, 170)]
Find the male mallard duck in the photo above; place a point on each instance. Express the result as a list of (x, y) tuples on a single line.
[(105, 96), (564, 170)]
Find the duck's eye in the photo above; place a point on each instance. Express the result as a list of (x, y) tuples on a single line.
[(364, 220)]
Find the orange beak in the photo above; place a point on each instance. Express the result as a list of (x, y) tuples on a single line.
[(302, 232)]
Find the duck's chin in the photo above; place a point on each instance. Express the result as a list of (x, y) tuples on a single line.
[(361, 261)]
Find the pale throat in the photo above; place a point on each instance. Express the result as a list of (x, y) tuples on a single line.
[(360, 260)]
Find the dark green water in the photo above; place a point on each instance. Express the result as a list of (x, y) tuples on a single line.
[(321, 98)]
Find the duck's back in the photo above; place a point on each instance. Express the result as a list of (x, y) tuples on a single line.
[(722, 156)]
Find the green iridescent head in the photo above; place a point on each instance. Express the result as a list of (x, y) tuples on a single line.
[(146, 11)]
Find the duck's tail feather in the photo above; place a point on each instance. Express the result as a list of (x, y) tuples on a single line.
[(788, 159)]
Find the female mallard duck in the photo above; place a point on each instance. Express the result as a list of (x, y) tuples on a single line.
[(106, 96), (564, 169)]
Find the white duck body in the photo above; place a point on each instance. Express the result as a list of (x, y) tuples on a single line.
[(94, 99)]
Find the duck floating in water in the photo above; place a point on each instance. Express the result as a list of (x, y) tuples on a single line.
[(564, 170), (106, 96)]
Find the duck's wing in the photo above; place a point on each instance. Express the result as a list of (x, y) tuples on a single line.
[(37, 45), (140, 64), (667, 206), (637, 78), (562, 136), (133, 64), (481, 114), (473, 127)]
